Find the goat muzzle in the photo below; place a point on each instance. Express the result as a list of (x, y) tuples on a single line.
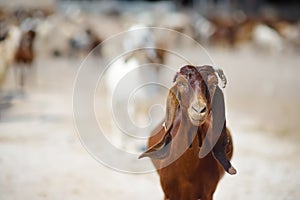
[(197, 112)]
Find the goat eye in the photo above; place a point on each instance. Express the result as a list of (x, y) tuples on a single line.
[(182, 85)]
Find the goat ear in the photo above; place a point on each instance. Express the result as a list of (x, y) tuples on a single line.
[(219, 124), (171, 108), (162, 148), (220, 150)]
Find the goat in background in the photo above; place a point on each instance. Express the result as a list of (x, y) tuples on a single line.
[(125, 76)]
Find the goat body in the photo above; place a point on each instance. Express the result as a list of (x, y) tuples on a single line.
[(188, 177)]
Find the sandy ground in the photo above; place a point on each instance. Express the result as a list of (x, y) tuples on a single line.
[(41, 156)]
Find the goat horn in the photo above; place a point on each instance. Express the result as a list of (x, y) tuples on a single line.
[(222, 77)]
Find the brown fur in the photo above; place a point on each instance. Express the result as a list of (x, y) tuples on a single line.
[(25, 53), (188, 178)]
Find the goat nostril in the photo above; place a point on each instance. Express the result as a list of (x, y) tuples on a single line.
[(195, 109), (203, 110), (198, 109)]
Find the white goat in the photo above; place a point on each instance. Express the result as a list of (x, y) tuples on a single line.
[(203, 28), (267, 38), (8, 47), (123, 78)]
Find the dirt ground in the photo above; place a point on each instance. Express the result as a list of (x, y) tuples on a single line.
[(42, 157)]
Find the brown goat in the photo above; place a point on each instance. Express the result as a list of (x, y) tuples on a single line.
[(195, 107), (25, 53)]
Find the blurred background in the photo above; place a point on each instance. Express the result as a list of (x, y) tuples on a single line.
[(43, 43)]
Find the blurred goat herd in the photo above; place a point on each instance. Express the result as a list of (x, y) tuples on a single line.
[(27, 33)]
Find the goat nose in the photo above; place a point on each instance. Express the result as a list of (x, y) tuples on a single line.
[(199, 108)]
